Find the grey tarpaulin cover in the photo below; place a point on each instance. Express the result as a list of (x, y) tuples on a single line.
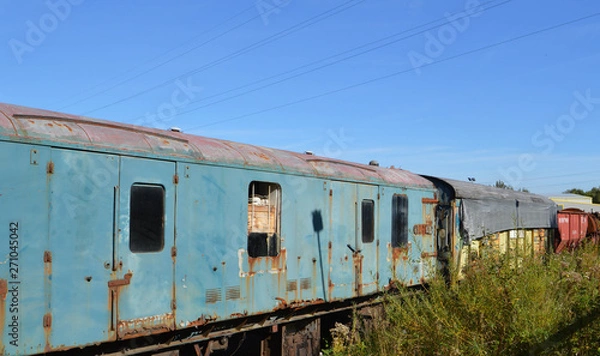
[(486, 216), (485, 210)]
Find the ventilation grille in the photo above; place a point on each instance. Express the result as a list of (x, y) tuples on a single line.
[(292, 286), (213, 295), (305, 283), (232, 293)]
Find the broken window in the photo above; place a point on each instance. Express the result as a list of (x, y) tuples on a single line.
[(399, 220), (368, 221), (146, 220), (264, 216)]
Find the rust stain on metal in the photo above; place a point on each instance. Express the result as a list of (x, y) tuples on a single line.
[(263, 156), (50, 168), (282, 303), (174, 253), (203, 320), (315, 278), (357, 261), (274, 263), (175, 179), (295, 305), (238, 315), (146, 326), (399, 254), (47, 324), (47, 263), (330, 284), (428, 254), (429, 201), (422, 229), (120, 282), (402, 252)]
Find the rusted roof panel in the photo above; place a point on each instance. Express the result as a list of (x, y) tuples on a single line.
[(43, 129), (6, 126), (40, 125)]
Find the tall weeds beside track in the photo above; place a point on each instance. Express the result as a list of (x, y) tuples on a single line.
[(548, 306)]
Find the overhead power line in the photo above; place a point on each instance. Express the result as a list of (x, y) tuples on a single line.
[(281, 34), (118, 84), (386, 44), (162, 55), (394, 74)]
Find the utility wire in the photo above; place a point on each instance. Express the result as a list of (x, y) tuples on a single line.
[(306, 23), (330, 63), (391, 75), (170, 59)]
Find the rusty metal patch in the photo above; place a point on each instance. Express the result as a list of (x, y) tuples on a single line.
[(120, 282), (146, 326), (423, 229)]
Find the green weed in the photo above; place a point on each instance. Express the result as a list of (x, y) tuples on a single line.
[(544, 306)]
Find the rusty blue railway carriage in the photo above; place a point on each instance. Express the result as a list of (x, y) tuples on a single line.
[(115, 232)]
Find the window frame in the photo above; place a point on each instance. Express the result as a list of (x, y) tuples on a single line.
[(264, 206), (367, 220), (400, 217), (143, 211)]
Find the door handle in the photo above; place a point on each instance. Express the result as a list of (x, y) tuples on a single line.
[(120, 282), (353, 250)]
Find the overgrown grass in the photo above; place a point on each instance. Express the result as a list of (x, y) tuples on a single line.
[(545, 306)]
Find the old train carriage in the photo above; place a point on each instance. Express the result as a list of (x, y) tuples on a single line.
[(469, 215), (115, 232)]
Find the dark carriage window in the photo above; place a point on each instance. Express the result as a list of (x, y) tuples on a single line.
[(399, 220), (146, 220), (368, 221), (264, 216)]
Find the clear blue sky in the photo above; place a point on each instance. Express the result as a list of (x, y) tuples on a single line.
[(440, 101)]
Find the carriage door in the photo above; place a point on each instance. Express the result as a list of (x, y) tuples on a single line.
[(366, 253), (142, 291)]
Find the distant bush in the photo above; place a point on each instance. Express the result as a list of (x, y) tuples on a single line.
[(542, 307)]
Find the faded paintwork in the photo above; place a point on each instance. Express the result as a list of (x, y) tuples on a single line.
[(40, 126), (67, 185)]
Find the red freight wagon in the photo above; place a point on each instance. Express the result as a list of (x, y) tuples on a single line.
[(572, 228)]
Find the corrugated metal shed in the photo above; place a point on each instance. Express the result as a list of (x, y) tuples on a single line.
[(37, 126)]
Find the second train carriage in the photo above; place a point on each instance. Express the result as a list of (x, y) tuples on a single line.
[(470, 215), (115, 232)]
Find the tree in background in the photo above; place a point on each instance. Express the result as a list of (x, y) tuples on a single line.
[(594, 193), (501, 184)]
